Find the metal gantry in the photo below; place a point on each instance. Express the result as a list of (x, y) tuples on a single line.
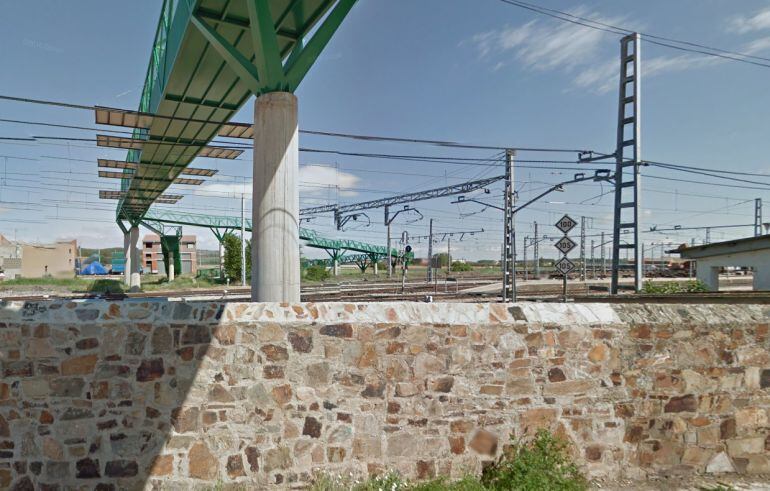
[(461, 188), (583, 270), (509, 230), (628, 159)]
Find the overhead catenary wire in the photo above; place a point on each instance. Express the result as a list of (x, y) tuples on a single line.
[(313, 132), (649, 38)]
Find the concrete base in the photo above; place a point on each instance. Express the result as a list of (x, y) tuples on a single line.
[(708, 268), (171, 269), (275, 273), (135, 278)]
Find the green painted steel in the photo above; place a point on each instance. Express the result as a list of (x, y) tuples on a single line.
[(209, 57), (311, 237)]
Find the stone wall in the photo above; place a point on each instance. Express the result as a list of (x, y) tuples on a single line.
[(178, 395)]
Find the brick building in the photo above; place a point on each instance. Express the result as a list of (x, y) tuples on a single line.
[(152, 255)]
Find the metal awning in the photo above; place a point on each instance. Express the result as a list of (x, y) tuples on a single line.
[(139, 144), (119, 142), (237, 130), (121, 117), (163, 198), (135, 119), (178, 180), (120, 164)]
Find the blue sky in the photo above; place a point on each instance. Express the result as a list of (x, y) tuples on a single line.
[(473, 71)]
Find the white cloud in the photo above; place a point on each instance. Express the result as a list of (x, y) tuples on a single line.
[(758, 21), (313, 180), (545, 45), (757, 46), (582, 53), (318, 179)]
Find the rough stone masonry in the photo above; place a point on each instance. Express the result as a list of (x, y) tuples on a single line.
[(174, 395)]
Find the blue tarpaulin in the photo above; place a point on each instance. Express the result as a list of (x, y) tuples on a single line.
[(94, 268)]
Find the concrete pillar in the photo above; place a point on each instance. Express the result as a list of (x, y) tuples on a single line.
[(127, 254), (136, 282), (762, 277), (335, 267), (171, 267), (275, 264), (375, 268), (708, 275), (221, 261)]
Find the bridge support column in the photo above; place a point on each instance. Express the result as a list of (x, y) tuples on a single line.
[(275, 275), (136, 282), (171, 267), (127, 254)]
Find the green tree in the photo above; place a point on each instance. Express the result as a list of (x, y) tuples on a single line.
[(232, 244)]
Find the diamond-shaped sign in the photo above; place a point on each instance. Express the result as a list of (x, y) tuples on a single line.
[(565, 244), (564, 266), (566, 223)]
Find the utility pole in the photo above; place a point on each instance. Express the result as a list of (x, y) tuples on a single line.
[(388, 221), (582, 248), (536, 254), (509, 252), (628, 191), (243, 240), (757, 217), (604, 258), (526, 267), (593, 263), (692, 244), (708, 235), (449, 254), (430, 252), (390, 259)]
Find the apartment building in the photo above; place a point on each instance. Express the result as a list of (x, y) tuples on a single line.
[(152, 254)]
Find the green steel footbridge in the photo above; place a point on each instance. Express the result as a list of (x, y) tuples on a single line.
[(366, 254), (209, 57)]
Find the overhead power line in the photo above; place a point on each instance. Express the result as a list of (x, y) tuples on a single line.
[(650, 38), (309, 132)]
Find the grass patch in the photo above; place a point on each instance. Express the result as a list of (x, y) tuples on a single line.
[(97, 285), (669, 287), (541, 463), (316, 272)]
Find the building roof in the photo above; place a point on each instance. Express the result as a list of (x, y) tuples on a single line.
[(156, 238), (749, 244)]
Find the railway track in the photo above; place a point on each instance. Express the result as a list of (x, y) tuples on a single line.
[(417, 291)]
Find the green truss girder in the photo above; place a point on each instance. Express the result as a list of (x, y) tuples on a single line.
[(227, 223), (357, 259), (268, 72), (208, 58)]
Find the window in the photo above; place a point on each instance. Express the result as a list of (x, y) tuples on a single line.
[(191, 245)]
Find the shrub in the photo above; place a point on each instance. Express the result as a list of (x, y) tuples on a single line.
[(542, 463), (316, 272), (668, 287), (461, 267)]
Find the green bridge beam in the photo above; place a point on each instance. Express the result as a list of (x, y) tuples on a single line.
[(214, 222)]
